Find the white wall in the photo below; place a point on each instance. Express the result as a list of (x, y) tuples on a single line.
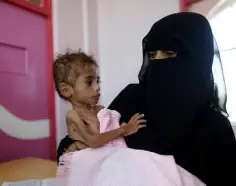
[(112, 30), (203, 7), (208, 8), (121, 26), (67, 32)]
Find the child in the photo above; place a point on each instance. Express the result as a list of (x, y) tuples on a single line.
[(76, 81), (90, 125)]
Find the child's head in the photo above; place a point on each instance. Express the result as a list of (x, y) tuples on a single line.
[(75, 77)]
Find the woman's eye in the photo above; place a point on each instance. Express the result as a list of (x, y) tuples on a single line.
[(170, 53), (162, 54), (152, 54)]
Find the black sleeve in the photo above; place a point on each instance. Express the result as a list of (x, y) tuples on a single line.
[(213, 157), (127, 102), (222, 159), (64, 144)]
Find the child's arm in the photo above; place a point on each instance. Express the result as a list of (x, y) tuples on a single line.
[(99, 139)]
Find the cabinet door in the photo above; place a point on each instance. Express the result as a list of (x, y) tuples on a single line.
[(24, 99)]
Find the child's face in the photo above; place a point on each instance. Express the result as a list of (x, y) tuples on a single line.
[(87, 89)]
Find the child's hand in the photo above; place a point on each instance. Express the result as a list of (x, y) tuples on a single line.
[(135, 123)]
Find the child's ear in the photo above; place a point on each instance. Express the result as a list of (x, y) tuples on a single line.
[(65, 90)]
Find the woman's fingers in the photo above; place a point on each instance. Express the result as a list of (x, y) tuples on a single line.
[(123, 124), (73, 147)]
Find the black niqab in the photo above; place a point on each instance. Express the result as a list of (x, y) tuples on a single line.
[(176, 89), (190, 35)]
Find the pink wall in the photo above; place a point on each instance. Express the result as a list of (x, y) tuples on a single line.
[(24, 101)]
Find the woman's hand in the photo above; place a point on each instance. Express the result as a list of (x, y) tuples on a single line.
[(135, 123), (76, 146), (72, 148)]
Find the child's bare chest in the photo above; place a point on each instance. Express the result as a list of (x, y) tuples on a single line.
[(92, 121), (93, 128)]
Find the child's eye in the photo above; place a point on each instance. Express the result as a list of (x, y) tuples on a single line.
[(89, 83), (98, 81)]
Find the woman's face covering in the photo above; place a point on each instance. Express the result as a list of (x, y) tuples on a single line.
[(161, 54), (178, 52)]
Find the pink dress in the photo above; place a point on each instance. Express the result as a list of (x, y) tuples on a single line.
[(116, 165), (110, 120)]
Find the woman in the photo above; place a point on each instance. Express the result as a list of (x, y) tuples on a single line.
[(182, 101)]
